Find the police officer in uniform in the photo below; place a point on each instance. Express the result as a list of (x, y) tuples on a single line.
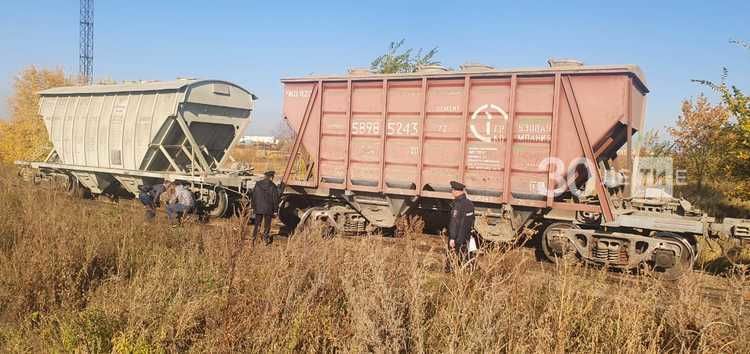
[(462, 222), (265, 203)]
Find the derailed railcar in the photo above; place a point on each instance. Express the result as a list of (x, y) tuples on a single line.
[(535, 147), (121, 136)]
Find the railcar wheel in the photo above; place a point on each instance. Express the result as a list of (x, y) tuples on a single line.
[(556, 248), (680, 265), (222, 205), (328, 220), (289, 214)]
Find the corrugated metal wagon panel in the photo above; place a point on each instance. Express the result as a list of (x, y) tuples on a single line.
[(501, 132), (124, 126)]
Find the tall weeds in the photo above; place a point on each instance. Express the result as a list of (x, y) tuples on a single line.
[(88, 277)]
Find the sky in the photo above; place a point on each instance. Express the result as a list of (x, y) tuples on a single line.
[(255, 43)]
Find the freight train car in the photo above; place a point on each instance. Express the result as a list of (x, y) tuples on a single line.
[(535, 148), (110, 137)]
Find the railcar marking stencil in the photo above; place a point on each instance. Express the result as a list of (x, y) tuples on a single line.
[(488, 134)]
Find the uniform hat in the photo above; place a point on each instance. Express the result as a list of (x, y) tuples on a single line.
[(269, 173), (457, 186)]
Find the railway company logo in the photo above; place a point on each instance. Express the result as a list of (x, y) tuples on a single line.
[(481, 123)]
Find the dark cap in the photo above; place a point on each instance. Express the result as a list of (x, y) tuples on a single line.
[(457, 186), (269, 173)]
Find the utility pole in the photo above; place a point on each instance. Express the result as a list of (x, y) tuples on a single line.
[(86, 42)]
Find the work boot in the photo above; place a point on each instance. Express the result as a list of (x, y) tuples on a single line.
[(268, 240)]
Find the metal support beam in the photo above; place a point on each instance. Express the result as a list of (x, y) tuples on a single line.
[(423, 121), (320, 135), (170, 159), (300, 135), (188, 154), (347, 152), (631, 173), (193, 144), (465, 122), (383, 136), (586, 146), (160, 136), (507, 166), (554, 136)]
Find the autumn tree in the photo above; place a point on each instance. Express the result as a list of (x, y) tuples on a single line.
[(24, 136), (737, 102), (650, 143), (396, 60), (701, 139)]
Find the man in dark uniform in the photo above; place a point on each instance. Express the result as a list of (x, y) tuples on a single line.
[(462, 222), (265, 203)]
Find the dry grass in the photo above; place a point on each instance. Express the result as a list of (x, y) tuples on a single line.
[(260, 157), (83, 277), (716, 199)]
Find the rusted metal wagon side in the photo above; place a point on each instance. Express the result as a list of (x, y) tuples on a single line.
[(108, 137), (531, 145)]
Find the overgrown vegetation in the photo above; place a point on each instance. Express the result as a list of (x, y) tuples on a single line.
[(737, 142), (24, 136), (79, 276), (704, 146), (396, 60), (711, 142), (699, 140)]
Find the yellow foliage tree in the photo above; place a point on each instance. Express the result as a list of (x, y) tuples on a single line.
[(25, 137), (702, 140)]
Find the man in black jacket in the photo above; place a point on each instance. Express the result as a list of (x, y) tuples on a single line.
[(265, 203), (462, 222)]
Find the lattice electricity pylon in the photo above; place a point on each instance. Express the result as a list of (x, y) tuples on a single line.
[(86, 49)]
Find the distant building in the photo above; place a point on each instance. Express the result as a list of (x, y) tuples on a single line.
[(259, 139)]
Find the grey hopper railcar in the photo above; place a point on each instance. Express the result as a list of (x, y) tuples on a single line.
[(106, 136)]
